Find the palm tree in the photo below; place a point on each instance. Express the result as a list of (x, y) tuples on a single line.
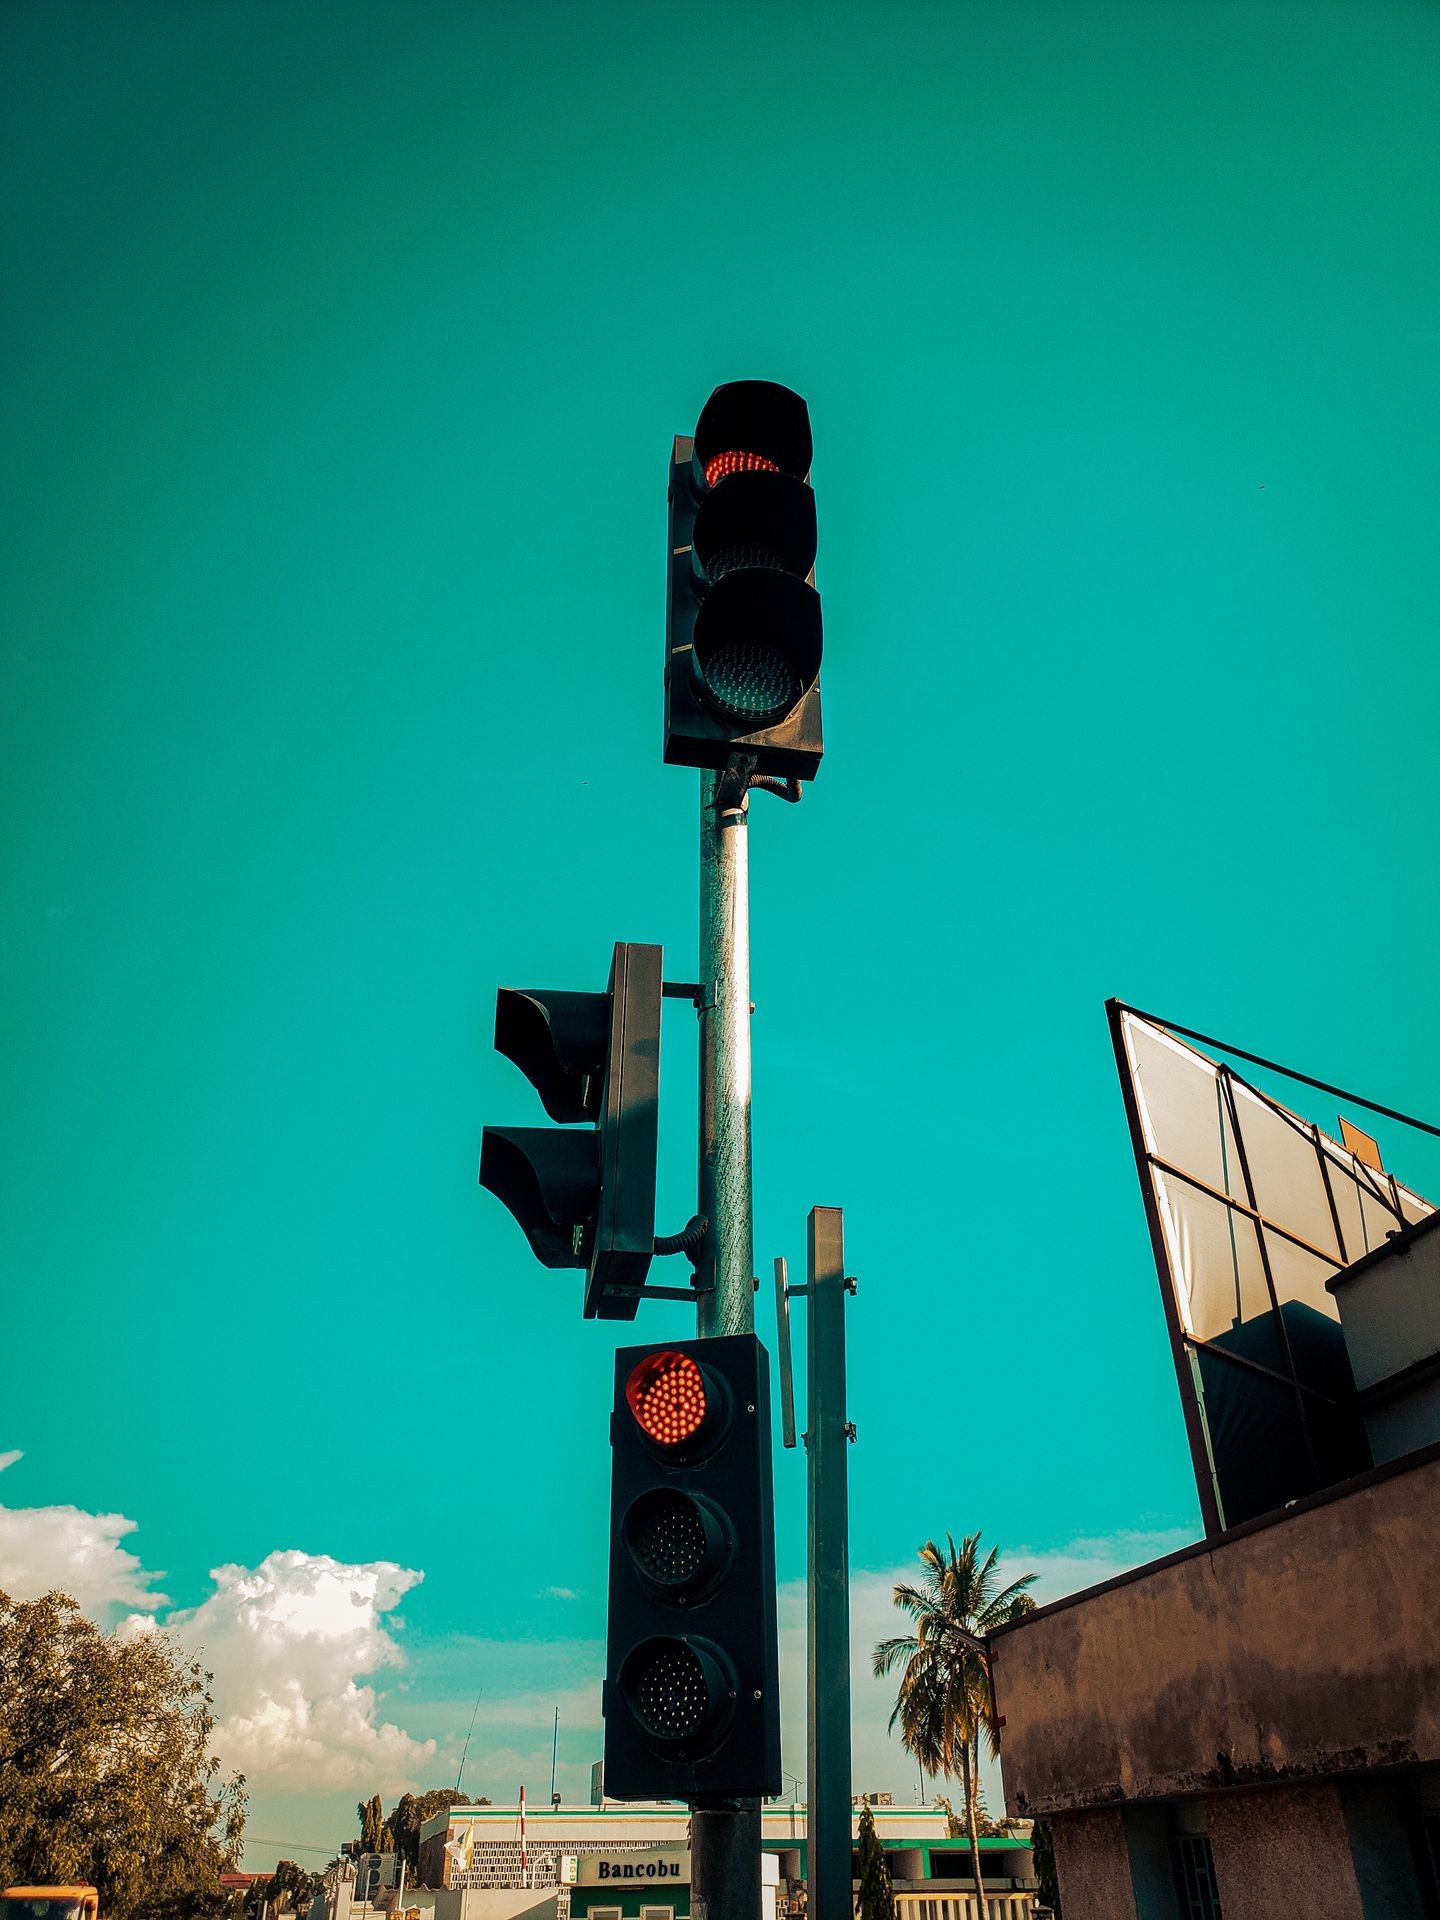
[(944, 1707)]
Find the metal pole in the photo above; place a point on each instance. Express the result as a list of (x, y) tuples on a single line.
[(827, 1439), (728, 1262), (725, 1841)]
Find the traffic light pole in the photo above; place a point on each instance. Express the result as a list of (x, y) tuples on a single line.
[(725, 1841), (727, 1265)]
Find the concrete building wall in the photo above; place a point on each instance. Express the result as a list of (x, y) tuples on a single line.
[(1390, 1306), (1092, 1863), (1284, 1850), (1283, 1651), (498, 1903)]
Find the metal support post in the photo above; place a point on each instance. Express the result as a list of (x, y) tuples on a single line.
[(725, 1841), (827, 1439), (728, 1255)]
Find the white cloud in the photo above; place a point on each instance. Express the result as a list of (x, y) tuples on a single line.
[(1085, 1563), (560, 1593), (290, 1643), (78, 1552), (294, 1644)]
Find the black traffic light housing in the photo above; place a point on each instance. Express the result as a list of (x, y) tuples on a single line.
[(586, 1197), (691, 1702), (743, 630)]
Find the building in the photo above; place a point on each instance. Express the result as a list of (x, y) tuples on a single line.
[(1250, 1727), (628, 1862)]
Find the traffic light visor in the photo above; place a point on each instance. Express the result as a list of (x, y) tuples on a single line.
[(549, 1181), (680, 1690), (757, 645), (666, 1393), (559, 1042), (749, 425)]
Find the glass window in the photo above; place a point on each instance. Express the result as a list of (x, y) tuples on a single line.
[(1194, 1870), (1215, 1258)]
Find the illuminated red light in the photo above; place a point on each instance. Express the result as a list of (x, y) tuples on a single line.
[(666, 1394), (722, 464)]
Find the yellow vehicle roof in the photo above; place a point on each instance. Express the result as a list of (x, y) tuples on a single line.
[(49, 1893)]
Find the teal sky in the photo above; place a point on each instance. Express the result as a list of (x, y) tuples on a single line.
[(343, 345)]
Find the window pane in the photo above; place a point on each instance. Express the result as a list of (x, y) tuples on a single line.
[(1285, 1170), (1176, 1091), (1215, 1260)]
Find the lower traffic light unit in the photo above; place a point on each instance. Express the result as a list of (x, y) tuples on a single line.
[(692, 1707)]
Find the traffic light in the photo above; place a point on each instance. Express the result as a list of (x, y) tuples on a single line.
[(742, 659), (586, 1197), (692, 1704)]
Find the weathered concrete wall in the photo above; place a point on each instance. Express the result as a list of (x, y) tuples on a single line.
[(1307, 1646), (1092, 1863), (1283, 1850)]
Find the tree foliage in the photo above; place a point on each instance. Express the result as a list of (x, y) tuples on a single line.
[(106, 1773), (290, 1889), (954, 1827), (372, 1820), (1042, 1854), (943, 1708), (400, 1832), (876, 1898)]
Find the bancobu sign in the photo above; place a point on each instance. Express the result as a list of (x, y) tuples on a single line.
[(634, 1869)]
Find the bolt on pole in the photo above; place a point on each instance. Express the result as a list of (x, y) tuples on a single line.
[(725, 1842)]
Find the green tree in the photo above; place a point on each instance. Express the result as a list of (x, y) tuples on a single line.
[(289, 1889), (954, 1828), (410, 1813), (876, 1899), (372, 1819), (943, 1708), (106, 1773), (1042, 1854)]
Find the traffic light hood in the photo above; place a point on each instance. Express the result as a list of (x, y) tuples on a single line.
[(754, 417), (559, 1042), (548, 1181)]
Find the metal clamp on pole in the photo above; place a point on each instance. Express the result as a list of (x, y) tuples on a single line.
[(732, 783)]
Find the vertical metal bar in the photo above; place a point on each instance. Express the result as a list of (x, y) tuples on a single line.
[(725, 1841), (1302, 1418), (827, 1440), (728, 1258), (1212, 1511), (1322, 1157), (783, 1363)]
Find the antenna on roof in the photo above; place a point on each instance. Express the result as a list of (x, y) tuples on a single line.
[(465, 1750)]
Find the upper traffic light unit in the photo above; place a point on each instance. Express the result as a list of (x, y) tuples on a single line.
[(586, 1198), (743, 635), (691, 1698)]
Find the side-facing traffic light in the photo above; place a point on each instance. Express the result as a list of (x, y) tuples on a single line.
[(742, 659), (692, 1708), (586, 1197)]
